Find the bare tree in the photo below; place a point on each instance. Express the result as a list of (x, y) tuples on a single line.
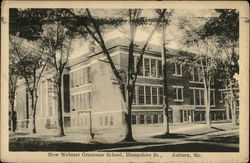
[(127, 85), (25, 29), (205, 62), (57, 39), (31, 64), (13, 76), (164, 22), (225, 27)]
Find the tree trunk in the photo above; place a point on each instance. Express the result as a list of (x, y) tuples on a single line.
[(232, 105), (208, 117), (227, 112), (128, 126), (130, 85), (129, 98), (207, 105), (12, 116), (27, 109), (34, 103), (165, 84), (34, 111), (60, 111)]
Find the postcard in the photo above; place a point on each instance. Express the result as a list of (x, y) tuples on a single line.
[(124, 81)]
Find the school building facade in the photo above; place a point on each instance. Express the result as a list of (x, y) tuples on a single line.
[(91, 94)]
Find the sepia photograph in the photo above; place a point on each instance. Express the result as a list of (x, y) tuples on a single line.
[(128, 82)]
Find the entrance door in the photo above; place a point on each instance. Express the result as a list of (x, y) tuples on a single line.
[(187, 116)]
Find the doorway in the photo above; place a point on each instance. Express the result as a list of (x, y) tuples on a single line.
[(187, 115)]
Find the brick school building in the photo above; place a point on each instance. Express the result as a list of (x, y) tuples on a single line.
[(91, 95)]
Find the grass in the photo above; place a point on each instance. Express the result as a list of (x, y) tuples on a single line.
[(219, 138)]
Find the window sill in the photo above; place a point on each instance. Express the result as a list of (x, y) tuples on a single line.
[(150, 77), (177, 75), (196, 82), (178, 100), (143, 105), (78, 86), (202, 105)]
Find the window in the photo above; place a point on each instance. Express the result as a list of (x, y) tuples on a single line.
[(148, 95), (73, 103), (178, 93), (89, 100), (141, 94), (159, 69), (221, 97), (80, 77), (149, 119), (154, 95), (147, 68), (76, 78), (153, 68), (177, 69), (212, 97), (142, 121), (134, 95), (81, 102), (50, 108), (196, 75), (84, 101), (155, 118), (88, 80), (192, 97), (111, 121), (106, 121), (212, 80), (161, 118), (77, 102), (133, 119), (160, 94), (140, 73), (202, 102), (101, 121), (198, 97), (50, 85)]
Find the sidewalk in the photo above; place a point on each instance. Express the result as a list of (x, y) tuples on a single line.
[(221, 138), (140, 133)]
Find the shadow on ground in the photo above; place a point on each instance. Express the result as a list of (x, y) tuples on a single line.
[(188, 134), (171, 136), (185, 147), (226, 139), (36, 144)]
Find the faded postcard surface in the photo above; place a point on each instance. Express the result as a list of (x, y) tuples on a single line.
[(124, 81)]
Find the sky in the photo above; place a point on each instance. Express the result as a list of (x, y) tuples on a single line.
[(173, 33)]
